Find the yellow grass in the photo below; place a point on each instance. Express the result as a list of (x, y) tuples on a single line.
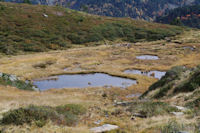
[(112, 59)]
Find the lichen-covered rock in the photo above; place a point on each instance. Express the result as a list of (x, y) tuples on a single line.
[(13, 80)]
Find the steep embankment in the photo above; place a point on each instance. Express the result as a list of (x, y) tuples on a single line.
[(40, 28)]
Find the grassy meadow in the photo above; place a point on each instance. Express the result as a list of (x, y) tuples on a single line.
[(40, 41)]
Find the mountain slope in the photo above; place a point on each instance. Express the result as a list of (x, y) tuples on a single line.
[(177, 80), (187, 16), (140, 9), (180, 85), (39, 28)]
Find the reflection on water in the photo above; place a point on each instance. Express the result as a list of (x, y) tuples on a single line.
[(147, 57), (156, 74), (83, 81)]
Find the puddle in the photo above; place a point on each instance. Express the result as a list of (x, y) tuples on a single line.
[(188, 47), (147, 57), (155, 74), (83, 81)]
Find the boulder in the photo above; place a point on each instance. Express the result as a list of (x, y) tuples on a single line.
[(139, 115), (45, 15), (13, 78), (104, 128), (181, 108), (177, 113)]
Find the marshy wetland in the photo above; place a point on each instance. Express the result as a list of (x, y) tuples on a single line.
[(107, 61)]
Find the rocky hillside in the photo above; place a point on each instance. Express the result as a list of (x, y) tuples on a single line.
[(32, 28), (187, 16), (140, 9), (178, 80), (181, 86)]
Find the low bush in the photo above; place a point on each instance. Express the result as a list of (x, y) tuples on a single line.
[(66, 115)]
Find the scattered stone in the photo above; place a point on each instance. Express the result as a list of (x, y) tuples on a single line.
[(65, 69), (167, 39), (189, 47), (177, 113), (133, 95), (97, 122), (35, 88), (181, 108), (104, 128), (13, 78), (178, 42), (133, 118), (128, 45), (45, 15), (122, 103), (139, 115), (183, 132)]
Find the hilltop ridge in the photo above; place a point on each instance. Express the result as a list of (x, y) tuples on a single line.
[(138, 9), (40, 28)]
